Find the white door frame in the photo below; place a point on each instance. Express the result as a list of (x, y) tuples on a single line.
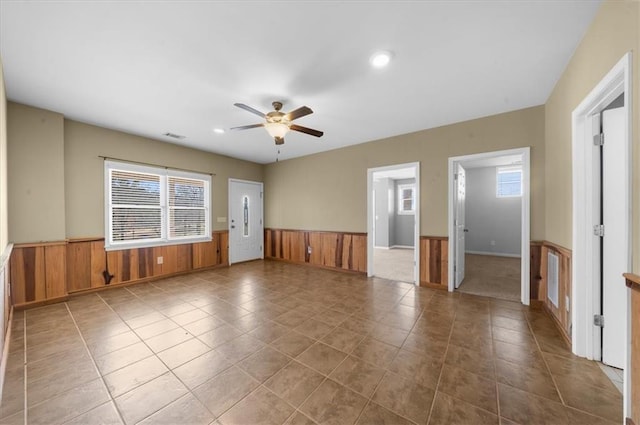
[(370, 231), (261, 184), (585, 285), (524, 221)]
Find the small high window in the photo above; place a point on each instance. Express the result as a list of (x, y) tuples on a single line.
[(406, 199), (509, 182)]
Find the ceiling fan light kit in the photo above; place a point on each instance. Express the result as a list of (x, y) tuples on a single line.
[(278, 123)]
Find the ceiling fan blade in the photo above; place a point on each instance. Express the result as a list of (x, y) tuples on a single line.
[(298, 113), (306, 130), (246, 127), (250, 109)]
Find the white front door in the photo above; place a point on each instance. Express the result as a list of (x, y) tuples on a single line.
[(246, 232), (615, 240), (459, 225)]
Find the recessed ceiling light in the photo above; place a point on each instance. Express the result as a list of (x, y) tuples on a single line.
[(218, 130), (380, 59)]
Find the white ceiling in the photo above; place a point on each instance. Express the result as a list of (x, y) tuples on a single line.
[(179, 66)]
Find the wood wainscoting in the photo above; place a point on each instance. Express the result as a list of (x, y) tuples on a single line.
[(633, 282), (539, 282), (49, 272), (335, 250), (434, 262)]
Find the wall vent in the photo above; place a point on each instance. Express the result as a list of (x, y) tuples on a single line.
[(175, 136), (552, 278)]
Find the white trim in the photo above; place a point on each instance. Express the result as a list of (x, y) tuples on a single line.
[(495, 254), (401, 247), (584, 286), (382, 247), (370, 221), (261, 184), (525, 217), (164, 174)]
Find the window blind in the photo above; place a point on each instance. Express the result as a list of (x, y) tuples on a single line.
[(149, 206)]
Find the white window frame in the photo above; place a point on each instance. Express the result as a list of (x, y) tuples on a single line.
[(401, 189), (164, 174), (508, 169)]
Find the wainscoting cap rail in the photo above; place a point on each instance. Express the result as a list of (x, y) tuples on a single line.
[(633, 281), (155, 165)]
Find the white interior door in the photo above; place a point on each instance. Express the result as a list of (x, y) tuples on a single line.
[(246, 232), (459, 225), (615, 240)]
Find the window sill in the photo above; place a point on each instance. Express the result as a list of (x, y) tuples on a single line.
[(155, 243)]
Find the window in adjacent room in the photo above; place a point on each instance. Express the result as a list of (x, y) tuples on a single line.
[(406, 199), (149, 206), (509, 182)]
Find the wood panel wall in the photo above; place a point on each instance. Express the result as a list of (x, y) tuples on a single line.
[(38, 272), (434, 262), (561, 313), (633, 282), (51, 271), (335, 250)]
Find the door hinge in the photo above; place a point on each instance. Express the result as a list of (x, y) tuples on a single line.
[(260, 195), (598, 320), (455, 176), (598, 230), (598, 139), (454, 267), (260, 247)]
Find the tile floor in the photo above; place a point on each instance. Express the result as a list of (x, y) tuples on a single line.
[(273, 343)]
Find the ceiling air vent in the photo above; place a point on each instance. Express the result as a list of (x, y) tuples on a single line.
[(175, 136)]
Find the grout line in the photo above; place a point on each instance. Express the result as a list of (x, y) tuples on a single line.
[(24, 365), (495, 369), (546, 364), (86, 347), (453, 322)]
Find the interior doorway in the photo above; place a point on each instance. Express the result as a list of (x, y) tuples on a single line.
[(393, 210), (489, 200), (601, 166), (246, 232)]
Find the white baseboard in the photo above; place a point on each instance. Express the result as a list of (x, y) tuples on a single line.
[(495, 254), (381, 247), (402, 247)]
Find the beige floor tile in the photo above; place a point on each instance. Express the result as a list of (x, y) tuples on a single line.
[(262, 407), (105, 414), (333, 403), (404, 397), (448, 410), (134, 375), (150, 397), (202, 368), (295, 382), (185, 410), (220, 393)]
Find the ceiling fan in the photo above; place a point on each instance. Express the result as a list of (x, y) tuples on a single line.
[(279, 123)]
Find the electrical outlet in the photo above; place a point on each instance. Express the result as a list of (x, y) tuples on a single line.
[(493, 243), (160, 260), (309, 249), (567, 302)]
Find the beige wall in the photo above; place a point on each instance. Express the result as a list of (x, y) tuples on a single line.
[(35, 174), (4, 226), (327, 191), (84, 172), (613, 33)]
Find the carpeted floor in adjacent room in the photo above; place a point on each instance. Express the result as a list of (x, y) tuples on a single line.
[(492, 276)]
